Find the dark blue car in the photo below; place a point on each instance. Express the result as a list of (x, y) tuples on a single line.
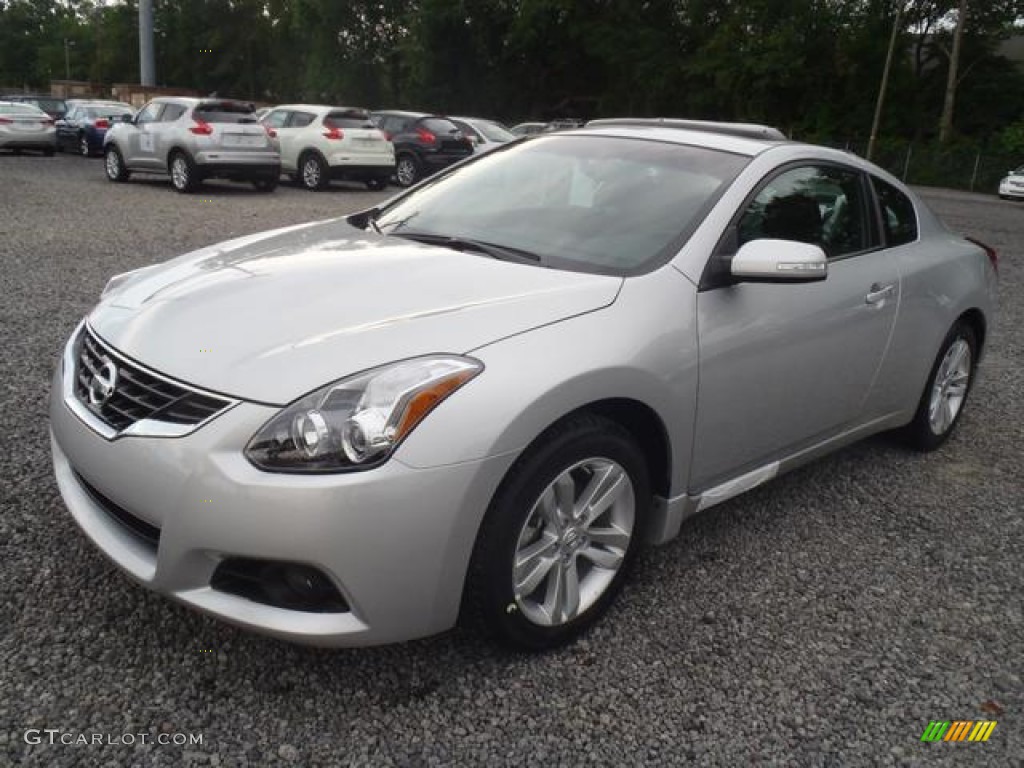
[(83, 127)]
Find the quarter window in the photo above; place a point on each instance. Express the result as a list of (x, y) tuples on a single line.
[(898, 217), (819, 204)]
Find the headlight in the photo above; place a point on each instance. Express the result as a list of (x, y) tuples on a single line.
[(356, 423)]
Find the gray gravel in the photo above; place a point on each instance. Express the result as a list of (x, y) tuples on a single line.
[(822, 620)]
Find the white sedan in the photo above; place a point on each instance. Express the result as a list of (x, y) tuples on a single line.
[(23, 126)]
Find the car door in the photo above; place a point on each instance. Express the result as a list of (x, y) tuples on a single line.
[(164, 132), (298, 129), (286, 137), (65, 127), (141, 139), (784, 366)]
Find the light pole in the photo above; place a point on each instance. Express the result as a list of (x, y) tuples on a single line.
[(884, 85), (67, 58)]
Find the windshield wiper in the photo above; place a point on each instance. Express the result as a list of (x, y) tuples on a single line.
[(501, 252)]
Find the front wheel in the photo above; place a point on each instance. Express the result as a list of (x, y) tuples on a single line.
[(113, 164), (945, 394), (560, 535)]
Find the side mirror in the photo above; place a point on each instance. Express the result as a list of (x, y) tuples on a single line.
[(779, 261)]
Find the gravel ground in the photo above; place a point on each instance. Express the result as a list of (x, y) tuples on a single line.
[(822, 620)]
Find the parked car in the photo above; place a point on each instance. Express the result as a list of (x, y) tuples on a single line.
[(1012, 185), (320, 143), (480, 398), (24, 126), (528, 129), (54, 107), (484, 134), (193, 140), (83, 127), (424, 143)]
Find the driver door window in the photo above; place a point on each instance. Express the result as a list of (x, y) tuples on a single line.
[(818, 204), (148, 114)]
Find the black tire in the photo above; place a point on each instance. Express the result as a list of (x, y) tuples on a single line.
[(313, 172), (407, 170), (490, 601), (83, 146), (376, 184), (113, 164), (924, 433), (265, 185), (184, 177), (49, 152)]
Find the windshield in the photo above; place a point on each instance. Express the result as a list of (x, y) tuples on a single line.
[(108, 110), (493, 131), (585, 203), (225, 112), (21, 109)]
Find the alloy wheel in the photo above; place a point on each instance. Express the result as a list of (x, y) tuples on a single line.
[(113, 164), (406, 172), (950, 387), (179, 172), (573, 542), (83, 146), (311, 173)]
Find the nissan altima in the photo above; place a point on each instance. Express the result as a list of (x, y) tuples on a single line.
[(478, 400)]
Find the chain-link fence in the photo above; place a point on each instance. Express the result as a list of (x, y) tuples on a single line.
[(930, 165)]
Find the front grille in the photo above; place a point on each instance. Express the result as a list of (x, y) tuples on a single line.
[(137, 394), (149, 534)]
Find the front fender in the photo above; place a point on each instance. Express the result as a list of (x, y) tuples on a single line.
[(643, 347)]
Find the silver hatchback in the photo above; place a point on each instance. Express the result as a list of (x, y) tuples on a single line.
[(192, 140)]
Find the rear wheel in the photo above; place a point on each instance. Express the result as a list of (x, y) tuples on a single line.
[(560, 535), (113, 164), (407, 171), (945, 394), (83, 146), (313, 171), (183, 173)]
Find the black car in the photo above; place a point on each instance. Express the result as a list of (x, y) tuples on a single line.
[(83, 127), (424, 143), (51, 105)]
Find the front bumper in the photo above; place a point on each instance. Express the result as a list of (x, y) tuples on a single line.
[(395, 541)]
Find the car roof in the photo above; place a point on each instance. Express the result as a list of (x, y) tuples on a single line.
[(320, 107), (404, 113), (725, 141)]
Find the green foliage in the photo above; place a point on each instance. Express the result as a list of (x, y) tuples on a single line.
[(811, 67)]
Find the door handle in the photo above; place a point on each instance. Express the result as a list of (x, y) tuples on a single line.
[(879, 293)]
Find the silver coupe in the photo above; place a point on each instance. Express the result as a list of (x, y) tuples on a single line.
[(478, 400)]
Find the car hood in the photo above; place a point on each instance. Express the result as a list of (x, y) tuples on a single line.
[(270, 317)]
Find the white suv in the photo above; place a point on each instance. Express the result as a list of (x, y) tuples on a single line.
[(320, 143)]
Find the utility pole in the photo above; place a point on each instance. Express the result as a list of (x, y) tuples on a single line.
[(946, 121), (147, 61), (67, 58), (885, 83)]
